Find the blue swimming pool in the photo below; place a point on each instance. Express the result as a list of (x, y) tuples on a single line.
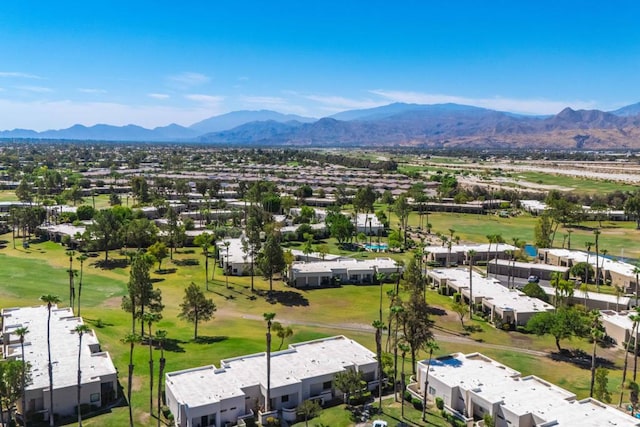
[(376, 246)]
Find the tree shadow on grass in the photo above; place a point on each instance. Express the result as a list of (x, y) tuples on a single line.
[(185, 262), (111, 264), (173, 345), (166, 271), (436, 311), (156, 280), (203, 339), (580, 359), (286, 298)]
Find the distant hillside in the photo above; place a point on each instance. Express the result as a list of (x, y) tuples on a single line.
[(439, 125), (237, 118)]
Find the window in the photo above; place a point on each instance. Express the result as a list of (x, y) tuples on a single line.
[(285, 398), (95, 397), (326, 385), (432, 390)]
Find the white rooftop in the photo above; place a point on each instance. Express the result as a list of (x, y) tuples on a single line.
[(206, 385), (346, 264), (64, 346), (479, 248)]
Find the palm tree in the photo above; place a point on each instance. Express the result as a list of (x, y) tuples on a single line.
[(204, 241), (597, 333), (130, 339), (396, 312), (451, 232), (268, 317), (82, 258), (490, 239), (404, 348), (635, 318), (150, 318), (470, 254), (226, 264), (161, 337), (636, 271), (72, 292), (80, 330), (51, 300), (596, 233), (431, 346), (379, 326), (555, 277), (380, 278), (21, 332), (588, 245)]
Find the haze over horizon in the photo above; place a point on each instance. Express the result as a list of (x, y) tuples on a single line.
[(156, 63)]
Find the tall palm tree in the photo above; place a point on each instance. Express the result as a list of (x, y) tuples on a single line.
[(635, 345), (21, 332), (404, 348), (588, 245), (226, 264), (72, 290), (379, 326), (470, 254), (51, 300), (150, 318), (130, 339), (596, 233), (82, 258), (161, 337), (268, 317), (635, 318), (569, 231), (490, 239), (380, 278), (396, 312), (597, 333), (555, 282), (80, 330), (451, 232), (431, 346), (636, 271)]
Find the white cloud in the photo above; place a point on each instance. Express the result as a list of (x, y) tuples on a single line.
[(35, 89), (158, 95), (91, 91), (189, 79), (523, 106), (43, 115), (19, 75), (208, 100)]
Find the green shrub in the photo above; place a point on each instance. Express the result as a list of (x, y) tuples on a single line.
[(407, 396), (417, 403), (439, 403)]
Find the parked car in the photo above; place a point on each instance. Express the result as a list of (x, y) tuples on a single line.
[(379, 423), (533, 279)]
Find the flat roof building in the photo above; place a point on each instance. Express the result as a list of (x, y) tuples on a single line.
[(472, 385), (99, 375), (208, 395)]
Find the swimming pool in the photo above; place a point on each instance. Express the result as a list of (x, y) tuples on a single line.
[(376, 246)]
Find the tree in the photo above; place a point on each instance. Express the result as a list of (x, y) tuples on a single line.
[(542, 232), (150, 319), (431, 346), (471, 253), (11, 373), (534, 290), (416, 324), (159, 251), (402, 209), (635, 318), (350, 382), (561, 324), (130, 339), (82, 258), (80, 330), (308, 409), (596, 333), (271, 259), (50, 300), (106, 229), (583, 270), (597, 233), (461, 310), (72, 291), (282, 332), (340, 227), (21, 332), (379, 327), (205, 241), (601, 391), (632, 208), (141, 233), (268, 317), (395, 314), (196, 307), (404, 348), (141, 295), (161, 337), (24, 191)]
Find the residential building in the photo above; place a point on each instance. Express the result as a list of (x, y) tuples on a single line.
[(210, 396), (619, 326), (459, 254), (472, 385), (99, 376), (340, 270), (523, 270)]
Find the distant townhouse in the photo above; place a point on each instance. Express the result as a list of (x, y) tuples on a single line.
[(619, 326), (232, 257), (520, 269), (501, 304), (460, 254), (340, 270), (472, 385), (210, 396), (99, 376)]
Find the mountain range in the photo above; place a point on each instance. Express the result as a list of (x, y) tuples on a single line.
[(398, 124)]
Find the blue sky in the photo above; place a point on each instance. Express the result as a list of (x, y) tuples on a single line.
[(156, 62)]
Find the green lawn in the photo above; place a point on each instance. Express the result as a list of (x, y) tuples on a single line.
[(238, 327)]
